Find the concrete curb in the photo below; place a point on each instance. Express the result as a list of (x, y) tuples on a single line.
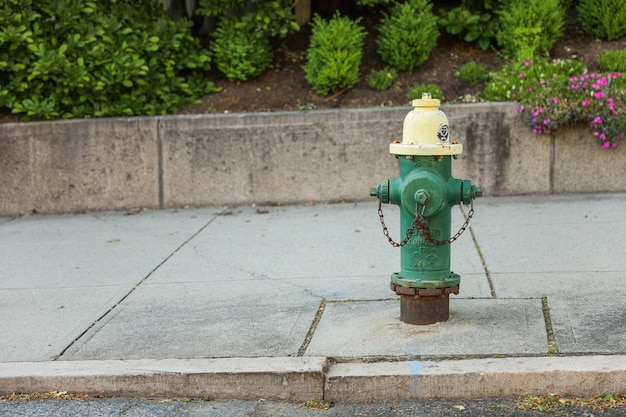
[(232, 378), (309, 378), (476, 378)]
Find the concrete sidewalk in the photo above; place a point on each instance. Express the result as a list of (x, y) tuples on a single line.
[(294, 303)]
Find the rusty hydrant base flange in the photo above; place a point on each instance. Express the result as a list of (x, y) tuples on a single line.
[(424, 310), (424, 306)]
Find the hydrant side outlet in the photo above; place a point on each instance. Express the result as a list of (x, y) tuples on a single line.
[(425, 191)]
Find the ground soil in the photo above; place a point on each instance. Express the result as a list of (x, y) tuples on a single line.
[(284, 87)]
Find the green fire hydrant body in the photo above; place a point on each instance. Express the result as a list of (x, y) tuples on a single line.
[(425, 191)]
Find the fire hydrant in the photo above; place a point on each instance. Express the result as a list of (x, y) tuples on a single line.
[(425, 191)]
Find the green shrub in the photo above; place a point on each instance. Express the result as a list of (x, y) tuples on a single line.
[(262, 18), (613, 60), (334, 54), (382, 79), (71, 58), (473, 73), (517, 80), (417, 91), (239, 54), (529, 28), (408, 35), (372, 3), (470, 26), (603, 19)]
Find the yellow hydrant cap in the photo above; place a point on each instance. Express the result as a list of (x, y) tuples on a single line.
[(426, 131)]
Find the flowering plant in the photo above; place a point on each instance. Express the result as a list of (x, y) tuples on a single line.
[(517, 80), (596, 99)]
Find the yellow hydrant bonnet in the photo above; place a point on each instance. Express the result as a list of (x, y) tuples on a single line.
[(426, 131)]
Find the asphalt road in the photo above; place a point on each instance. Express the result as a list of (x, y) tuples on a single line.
[(132, 407)]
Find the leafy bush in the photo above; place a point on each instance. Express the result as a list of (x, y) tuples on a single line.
[(408, 35), (613, 61), (417, 91), (382, 79), (517, 80), (334, 54), (263, 18), (372, 3), (529, 28), (603, 19), (595, 99), (71, 58), (241, 47), (239, 54), (470, 26), (473, 73)]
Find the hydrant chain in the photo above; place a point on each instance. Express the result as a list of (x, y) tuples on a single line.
[(421, 224), (409, 233)]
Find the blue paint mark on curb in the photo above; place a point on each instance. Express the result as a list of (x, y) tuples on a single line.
[(415, 368)]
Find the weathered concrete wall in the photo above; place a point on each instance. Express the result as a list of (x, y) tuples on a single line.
[(287, 157), (78, 165)]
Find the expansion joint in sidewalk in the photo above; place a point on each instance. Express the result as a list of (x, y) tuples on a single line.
[(492, 288), (312, 329), (553, 348), (132, 290)]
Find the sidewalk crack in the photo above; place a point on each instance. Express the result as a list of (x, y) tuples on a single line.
[(553, 348), (492, 288), (312, 329)]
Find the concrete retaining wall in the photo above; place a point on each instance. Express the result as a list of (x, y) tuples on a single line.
[(287, 157)]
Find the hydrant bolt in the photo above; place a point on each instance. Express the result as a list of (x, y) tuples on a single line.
[(421, 197)]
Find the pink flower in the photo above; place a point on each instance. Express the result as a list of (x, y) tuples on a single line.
[(529, 89), (597, 120), (527, 63), (586, 102), (598, 95), (606, 145), (555, 100), (521, 75)]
